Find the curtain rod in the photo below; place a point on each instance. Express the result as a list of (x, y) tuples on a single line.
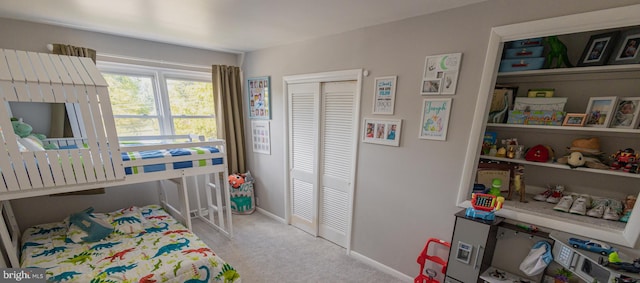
[(152, 61)]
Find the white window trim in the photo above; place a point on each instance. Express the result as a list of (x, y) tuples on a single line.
[(159, 76)]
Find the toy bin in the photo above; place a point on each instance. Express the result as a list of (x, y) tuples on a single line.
[(241, 193), (530, 42), (523, 64), (524, 52)]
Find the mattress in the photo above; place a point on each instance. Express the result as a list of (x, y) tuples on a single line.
[(167, 154), (163, 251)]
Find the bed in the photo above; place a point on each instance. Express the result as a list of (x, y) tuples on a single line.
[(97, 157), (156, 249)]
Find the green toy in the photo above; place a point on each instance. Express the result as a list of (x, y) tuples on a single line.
[(496, 184), (24, 130), (557, 51)]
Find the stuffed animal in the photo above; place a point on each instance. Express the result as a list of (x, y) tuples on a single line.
[(24, 131), (589, 148), (236, 180), (576, 159)]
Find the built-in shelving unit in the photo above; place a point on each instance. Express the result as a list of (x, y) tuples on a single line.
[(578, 84)]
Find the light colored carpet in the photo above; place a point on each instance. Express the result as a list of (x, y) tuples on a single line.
[(264, 250)]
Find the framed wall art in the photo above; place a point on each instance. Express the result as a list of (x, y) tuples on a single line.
[(261, 136), (626, 113), (441, 74), (626, 51), (600, 111), (574, 119), (382, 131), (598, 49), (435, 118), (385, 95), (259, 93)]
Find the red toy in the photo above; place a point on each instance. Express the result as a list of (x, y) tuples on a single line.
[(625, 159), (423, 257)]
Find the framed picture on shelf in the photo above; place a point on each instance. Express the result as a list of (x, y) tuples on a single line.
[(434, 119), (258, 91), (626, 113), (382, 131), (385, 95), (575, 119), (600, 111), (626, 51), (598, 49)]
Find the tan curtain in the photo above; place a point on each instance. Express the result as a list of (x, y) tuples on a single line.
[(227, 96), (60, 124)]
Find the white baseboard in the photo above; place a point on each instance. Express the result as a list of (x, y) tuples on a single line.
[(271, 215), (381, 267)]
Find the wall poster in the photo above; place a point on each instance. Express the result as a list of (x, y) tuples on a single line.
[(258, 90), (261, 137), (441, 74)]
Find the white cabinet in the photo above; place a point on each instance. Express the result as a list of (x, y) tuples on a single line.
[(578, 84)]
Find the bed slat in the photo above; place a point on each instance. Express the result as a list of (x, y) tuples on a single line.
[(110, 129), (43, 79), (30, 76), (56, 168), (32, 170), (45, 170), (96, 132), (65, 162), (77, 166), (88, 165)]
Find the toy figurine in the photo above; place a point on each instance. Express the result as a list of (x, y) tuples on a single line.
[(629, 202), (496, 185), (624, 159), (517, 183), (614, 262), (557, 52)]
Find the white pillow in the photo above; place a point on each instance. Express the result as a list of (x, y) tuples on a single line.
[(30, 144)]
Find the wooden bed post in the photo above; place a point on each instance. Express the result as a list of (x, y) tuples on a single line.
[(10, 241)]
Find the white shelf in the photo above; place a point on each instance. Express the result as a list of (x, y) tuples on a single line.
[(575, 70), (565, 128), (563, 166)]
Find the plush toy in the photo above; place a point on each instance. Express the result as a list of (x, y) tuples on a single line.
[(236, 180), (24, 131), (590, 155)]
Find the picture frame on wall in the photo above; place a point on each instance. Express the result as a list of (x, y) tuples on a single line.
[(626, 50), (434, 118), (598, 49), (627, 113), (440, 75), (385, 95), (259, 94), (574, 119), (382, 131), (600, 111)]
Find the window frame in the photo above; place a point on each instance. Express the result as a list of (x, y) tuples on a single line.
[(159, 77)]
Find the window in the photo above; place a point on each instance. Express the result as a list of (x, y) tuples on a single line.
[(151, 101)]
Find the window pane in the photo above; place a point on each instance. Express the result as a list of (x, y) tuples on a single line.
[(190, 97), (137, 127), (131, 95), (200, 126)]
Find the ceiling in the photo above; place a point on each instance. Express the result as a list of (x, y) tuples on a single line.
[(225, 25)]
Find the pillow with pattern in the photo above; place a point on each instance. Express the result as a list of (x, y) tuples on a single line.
[(84, 226)]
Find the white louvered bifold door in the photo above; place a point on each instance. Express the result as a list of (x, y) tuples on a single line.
[(303, 151), (337, 133)]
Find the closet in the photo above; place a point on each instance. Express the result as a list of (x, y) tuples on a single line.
[(584, 82), (322, 139)]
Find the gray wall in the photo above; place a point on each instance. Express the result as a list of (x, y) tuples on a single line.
[(403, 195), (27, 36)]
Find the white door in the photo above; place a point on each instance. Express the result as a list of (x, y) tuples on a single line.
[(303, 152), (338, 129), (322, 137)]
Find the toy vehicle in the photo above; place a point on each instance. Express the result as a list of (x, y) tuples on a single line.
[(624, 159), (591, 245)]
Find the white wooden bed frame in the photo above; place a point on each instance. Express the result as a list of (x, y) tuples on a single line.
[(40, 77)]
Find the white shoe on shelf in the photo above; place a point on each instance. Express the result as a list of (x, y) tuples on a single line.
[(556, 194), (599, 205), (613, 210), (565, 203), (544, 195), (580, 205)]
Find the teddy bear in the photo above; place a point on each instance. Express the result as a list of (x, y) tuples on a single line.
[(31, 140)]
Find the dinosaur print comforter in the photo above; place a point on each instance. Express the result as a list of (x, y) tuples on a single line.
[(162, 251)]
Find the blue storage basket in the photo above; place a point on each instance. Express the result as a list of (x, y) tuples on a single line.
[(530, 42), (524, 52), (524, 64)]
